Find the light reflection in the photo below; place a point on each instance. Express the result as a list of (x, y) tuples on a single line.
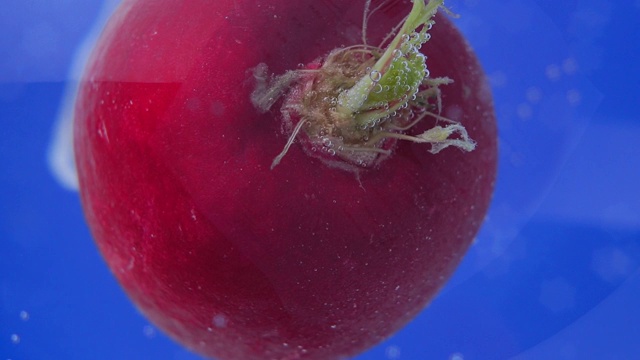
[(60, 151)]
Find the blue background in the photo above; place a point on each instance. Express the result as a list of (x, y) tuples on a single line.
[(554, 273)]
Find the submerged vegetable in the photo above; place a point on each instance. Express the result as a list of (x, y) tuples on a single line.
[(180, 125)]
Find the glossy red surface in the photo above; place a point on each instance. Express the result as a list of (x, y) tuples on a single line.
[(238, 261)]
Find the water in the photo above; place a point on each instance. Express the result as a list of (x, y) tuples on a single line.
[(554, 272)]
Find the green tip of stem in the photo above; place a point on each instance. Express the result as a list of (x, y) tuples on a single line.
[(397, 74)]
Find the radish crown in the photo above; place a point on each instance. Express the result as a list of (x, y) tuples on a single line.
[(354, 104)]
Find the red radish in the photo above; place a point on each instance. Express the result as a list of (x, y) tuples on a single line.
[(177, 126)]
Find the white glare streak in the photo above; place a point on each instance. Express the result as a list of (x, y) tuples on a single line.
[(60, 151)]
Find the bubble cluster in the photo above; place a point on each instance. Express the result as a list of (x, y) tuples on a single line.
[(362, 96)]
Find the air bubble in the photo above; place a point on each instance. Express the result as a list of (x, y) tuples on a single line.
[(219, 321), (397, 53), (375, 76), (377, 89), (332, 152), (149, 331), (426, 73), (405, 37)]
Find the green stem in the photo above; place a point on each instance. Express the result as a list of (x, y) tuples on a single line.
[(351, 101)]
